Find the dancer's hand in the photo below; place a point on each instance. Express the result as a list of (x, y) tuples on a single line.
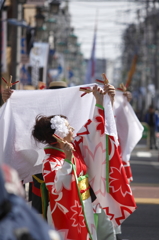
[(128, 95), (6, 93), (98, 94), (110, 89), (68, 149)]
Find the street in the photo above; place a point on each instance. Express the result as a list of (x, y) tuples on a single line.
[(143, 224)]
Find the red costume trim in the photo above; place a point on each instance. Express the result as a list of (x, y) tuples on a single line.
[(36, 191)]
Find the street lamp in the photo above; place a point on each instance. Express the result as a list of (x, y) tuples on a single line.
[(79, 57), (54, 6), (51, 24), (72, 39), (41, 34), (61, 47), (39, 17)]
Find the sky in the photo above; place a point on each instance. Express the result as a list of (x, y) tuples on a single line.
[(112, 18)]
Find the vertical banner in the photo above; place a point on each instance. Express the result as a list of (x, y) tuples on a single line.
[(39, 62), (90, 71), (25, 78), (4, 42), (57, 70)]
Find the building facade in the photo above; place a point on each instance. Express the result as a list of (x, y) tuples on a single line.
[(43, 22), (141, 41)]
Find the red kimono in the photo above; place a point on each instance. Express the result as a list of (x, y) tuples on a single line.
[(68, 201), (67, 207)]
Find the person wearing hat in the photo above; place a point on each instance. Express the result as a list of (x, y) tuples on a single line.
[(57, 84)]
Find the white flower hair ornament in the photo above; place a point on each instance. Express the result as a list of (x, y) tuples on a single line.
[(59, 124)]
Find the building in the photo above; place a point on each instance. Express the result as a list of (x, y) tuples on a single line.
[(30, 21), (142, 41)]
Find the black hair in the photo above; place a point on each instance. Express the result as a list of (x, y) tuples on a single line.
[(42, 131)]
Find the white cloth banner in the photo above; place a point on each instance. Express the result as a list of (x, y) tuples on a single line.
[(39, 58), (17, 118), (128, 126)]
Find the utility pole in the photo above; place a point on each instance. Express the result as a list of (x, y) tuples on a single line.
[(19, 36), (16, 32), (13, 33), (155, 32), (147, 54), (0, 58), (2, 52)]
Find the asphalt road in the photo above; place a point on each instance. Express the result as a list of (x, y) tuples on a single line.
[(143, 224)]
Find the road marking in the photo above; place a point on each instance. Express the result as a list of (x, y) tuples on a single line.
[(143, 154), (144, 163), (133, 184), (147, 200)]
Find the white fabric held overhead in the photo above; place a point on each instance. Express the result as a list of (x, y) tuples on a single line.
[(128, 126), (17, 118)]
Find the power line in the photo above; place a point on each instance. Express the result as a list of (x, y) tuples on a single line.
[(111, 21)]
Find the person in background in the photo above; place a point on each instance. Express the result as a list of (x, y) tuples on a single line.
[(17, 220), (6, 93), (152, 119), (38, 194), (57, 85)]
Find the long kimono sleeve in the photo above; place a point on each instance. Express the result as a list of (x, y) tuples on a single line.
[(66, 208), (107, 177), (89, 141), (56, 173)]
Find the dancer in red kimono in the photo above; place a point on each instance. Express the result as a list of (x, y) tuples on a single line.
[(73, 167)]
